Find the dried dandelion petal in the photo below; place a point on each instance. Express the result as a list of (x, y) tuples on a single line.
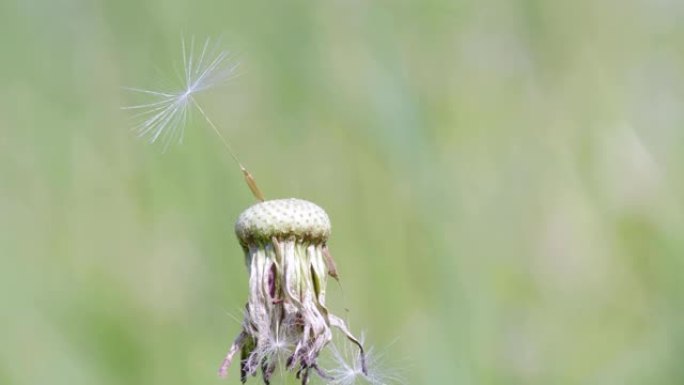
[(286, 321)]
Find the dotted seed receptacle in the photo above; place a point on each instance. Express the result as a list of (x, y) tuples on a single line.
[(283, 218), (286, 322)]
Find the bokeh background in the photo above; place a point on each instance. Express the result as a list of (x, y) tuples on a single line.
[(505, 181)]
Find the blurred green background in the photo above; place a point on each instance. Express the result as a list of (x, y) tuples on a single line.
[(504, 178)]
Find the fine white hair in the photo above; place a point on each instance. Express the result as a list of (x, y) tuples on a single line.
[(163, 115)]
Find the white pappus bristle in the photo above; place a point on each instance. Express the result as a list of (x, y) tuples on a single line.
[(164, 114)]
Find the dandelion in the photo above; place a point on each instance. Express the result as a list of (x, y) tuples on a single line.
[(286, 323), (286, 252)]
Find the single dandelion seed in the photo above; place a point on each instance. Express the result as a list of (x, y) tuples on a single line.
[(348, 367), (286, 322), (163, 117)]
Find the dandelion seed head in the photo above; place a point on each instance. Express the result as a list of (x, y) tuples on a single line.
[(286, 318), (163, 115)]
